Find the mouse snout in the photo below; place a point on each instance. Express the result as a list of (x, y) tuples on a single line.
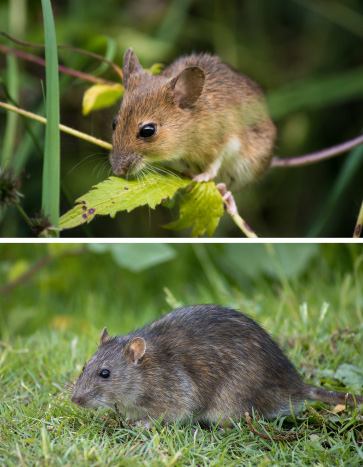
[(124, 163)]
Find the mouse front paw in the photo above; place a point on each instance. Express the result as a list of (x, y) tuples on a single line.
[(203, 177)]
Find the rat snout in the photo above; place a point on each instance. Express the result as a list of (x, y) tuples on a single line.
[(77, 399), (124, 163)]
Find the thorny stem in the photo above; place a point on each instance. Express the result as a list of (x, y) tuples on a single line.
[(64, 128), (358, 226), (67, 47), (317, 156), (40, 61)]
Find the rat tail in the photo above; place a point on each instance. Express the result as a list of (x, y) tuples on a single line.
[(333, 397)]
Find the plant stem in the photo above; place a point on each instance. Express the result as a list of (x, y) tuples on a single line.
[(64, 128), (358, 226), (67, 47), (242, 224), (34, 268), (23, 214), (63, 69), (318, 156)]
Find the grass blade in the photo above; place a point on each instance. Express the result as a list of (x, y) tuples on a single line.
[(51, 168), (351, 167), (316, 93)]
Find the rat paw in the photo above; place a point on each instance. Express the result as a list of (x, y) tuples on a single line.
[(144, 423)]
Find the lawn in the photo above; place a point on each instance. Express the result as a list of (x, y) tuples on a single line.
[(314, 312)]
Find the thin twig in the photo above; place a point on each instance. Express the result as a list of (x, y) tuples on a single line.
[(231, 208), (24, 216), (67, 47), (34, 268), (63, 69), (283, 435), (317, 156), (242, 224), (64, 128), (358, 225)]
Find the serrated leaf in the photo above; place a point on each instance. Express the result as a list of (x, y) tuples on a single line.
[(202, 207), (100, 96), (117, 194)]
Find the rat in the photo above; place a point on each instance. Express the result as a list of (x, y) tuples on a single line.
[(203, 361), (198, 117)]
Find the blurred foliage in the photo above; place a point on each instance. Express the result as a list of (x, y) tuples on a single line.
[(85, 287), (306, 54)]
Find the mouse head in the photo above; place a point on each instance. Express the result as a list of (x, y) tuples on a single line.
[(112, 375), (156, 118)]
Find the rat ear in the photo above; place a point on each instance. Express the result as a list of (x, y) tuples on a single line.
[(130, 66), (136, 349), (188, 86), (104, 337)]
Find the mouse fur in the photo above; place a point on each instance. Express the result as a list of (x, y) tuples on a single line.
[(211, 122)]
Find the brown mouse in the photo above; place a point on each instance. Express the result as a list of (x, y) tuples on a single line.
[(199, 117), (205, 361)]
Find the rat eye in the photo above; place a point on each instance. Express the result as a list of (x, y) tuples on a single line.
[(114, 123), (105, 373), (148, 130)]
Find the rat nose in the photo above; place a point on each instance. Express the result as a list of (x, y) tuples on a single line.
[(76, 399)]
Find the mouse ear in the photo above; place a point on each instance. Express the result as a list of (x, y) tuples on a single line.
[(104, 337), (188, 86), (130, 66), (136, 349)]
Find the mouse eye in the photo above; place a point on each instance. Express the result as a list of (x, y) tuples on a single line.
[(148, 130), (105, 373), (114, 123)]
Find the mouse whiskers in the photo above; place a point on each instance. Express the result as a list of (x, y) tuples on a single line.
[(86, 160)]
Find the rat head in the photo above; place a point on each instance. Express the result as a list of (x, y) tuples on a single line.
[(155, 120), (112, 375)]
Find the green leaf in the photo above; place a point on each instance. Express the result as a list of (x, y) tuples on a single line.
[(156, 68), (136, 257), (203, 207), (100, 96), (316, 93), (350, 375), (117, 194), (51, 167), (253, 261)]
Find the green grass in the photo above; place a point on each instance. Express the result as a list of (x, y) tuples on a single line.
[(39, 425), (69, 302), (51, 168)]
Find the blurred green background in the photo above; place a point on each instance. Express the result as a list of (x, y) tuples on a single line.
[(306, 54), (82, 288)]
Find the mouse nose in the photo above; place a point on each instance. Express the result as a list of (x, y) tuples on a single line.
[(123, 163), (118, 171)]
